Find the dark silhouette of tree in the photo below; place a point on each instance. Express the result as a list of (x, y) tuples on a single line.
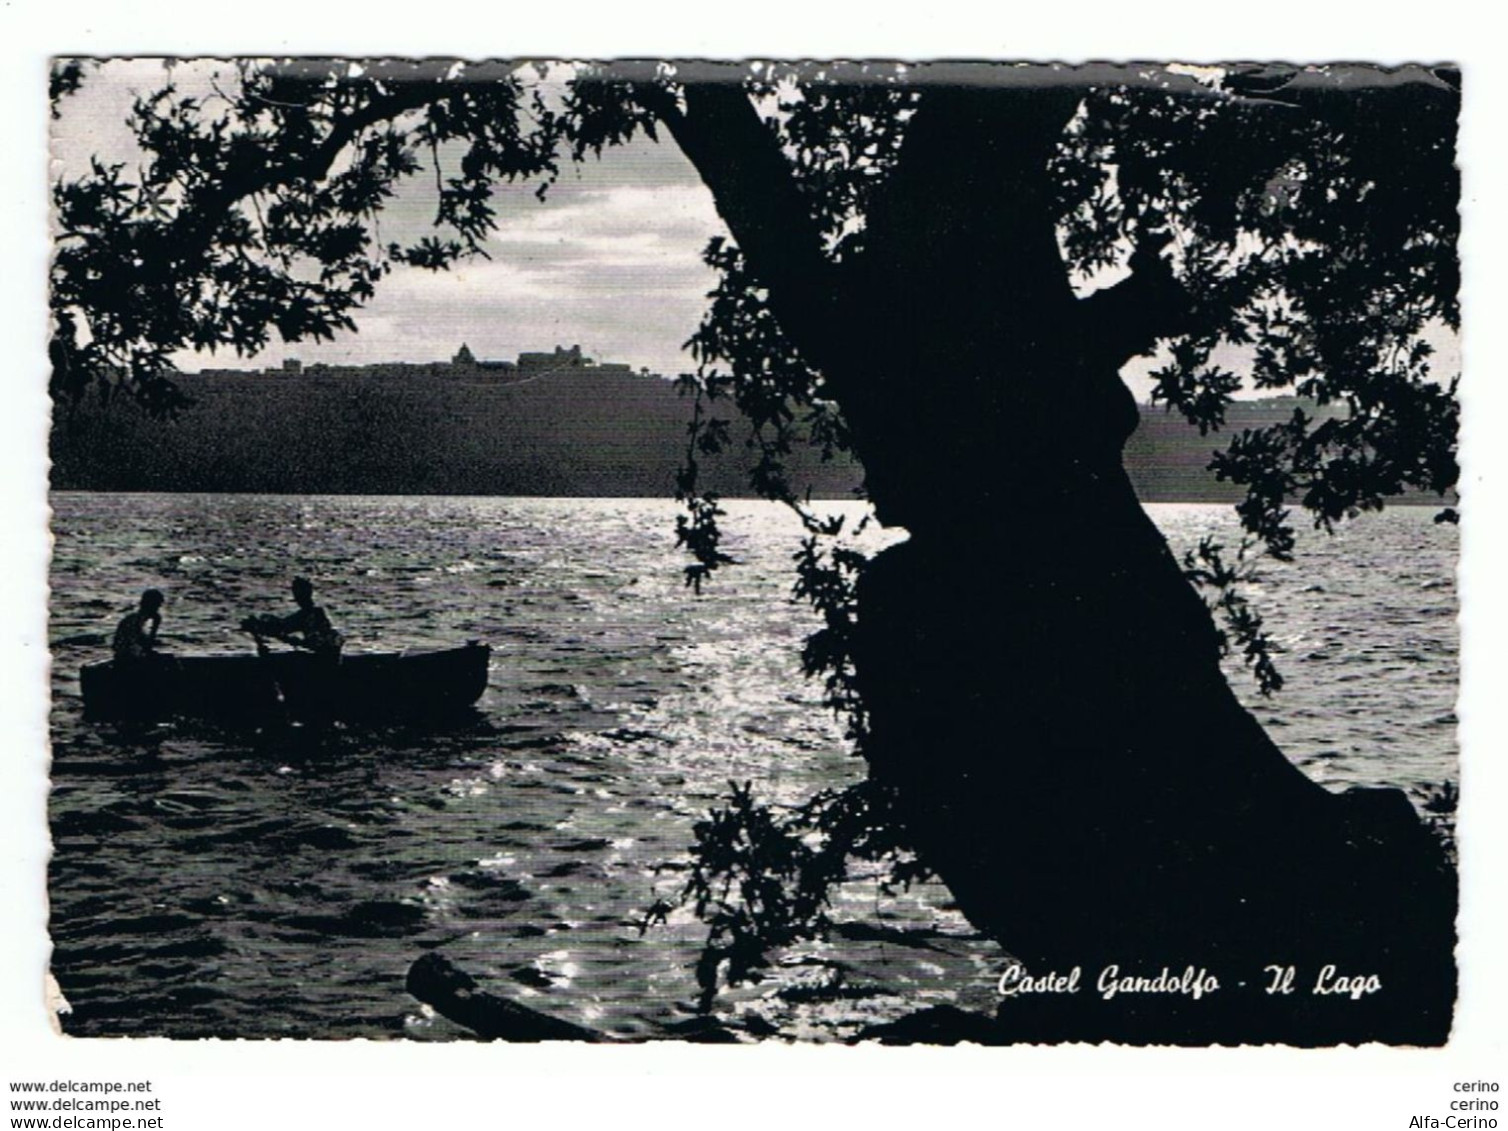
[(942, 268)]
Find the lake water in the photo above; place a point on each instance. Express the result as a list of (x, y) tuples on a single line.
[(235, 885)]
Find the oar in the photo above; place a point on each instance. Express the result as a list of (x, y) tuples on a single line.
[(265, 653)]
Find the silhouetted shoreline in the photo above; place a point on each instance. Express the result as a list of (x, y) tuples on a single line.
[(572, 431)]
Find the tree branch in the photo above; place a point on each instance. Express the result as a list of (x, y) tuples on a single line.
[(252, 172), (739, 159), (1125, 320)]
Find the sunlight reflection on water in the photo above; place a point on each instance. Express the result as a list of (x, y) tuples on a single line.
[(210, 883)]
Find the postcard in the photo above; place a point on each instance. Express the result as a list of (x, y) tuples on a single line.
[(783, 552), (1061, 640)]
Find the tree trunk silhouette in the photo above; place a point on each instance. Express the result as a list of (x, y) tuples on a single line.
[(1043, 684)]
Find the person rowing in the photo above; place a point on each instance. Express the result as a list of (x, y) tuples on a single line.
[(307, 628), (135, 641)]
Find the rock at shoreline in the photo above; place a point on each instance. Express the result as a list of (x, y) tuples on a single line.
[(454, 994)]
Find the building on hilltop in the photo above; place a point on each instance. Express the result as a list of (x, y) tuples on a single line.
[(463, 365), (562, 359), (535, 363)]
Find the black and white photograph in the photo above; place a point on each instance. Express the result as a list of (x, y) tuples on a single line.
[(896, 554), (734, 551)]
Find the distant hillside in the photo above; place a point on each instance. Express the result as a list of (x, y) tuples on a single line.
[(1168, 459), (590, 431), (582, 431)]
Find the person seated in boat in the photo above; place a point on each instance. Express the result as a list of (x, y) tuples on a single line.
[(306, 628), (135, 639)]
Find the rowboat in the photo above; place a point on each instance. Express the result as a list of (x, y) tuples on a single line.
[(376, 686)]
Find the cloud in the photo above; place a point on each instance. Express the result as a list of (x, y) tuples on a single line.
[(629, 228), (611, 258), (616, 268)]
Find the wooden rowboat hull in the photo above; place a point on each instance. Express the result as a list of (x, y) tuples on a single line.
[(293, 685)]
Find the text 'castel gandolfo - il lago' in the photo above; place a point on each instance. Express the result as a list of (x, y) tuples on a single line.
[(1192, 983)]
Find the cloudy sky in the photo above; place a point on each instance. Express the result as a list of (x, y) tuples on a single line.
[(611, 260)]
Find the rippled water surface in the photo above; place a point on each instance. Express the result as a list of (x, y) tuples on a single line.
[(281, 883)]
